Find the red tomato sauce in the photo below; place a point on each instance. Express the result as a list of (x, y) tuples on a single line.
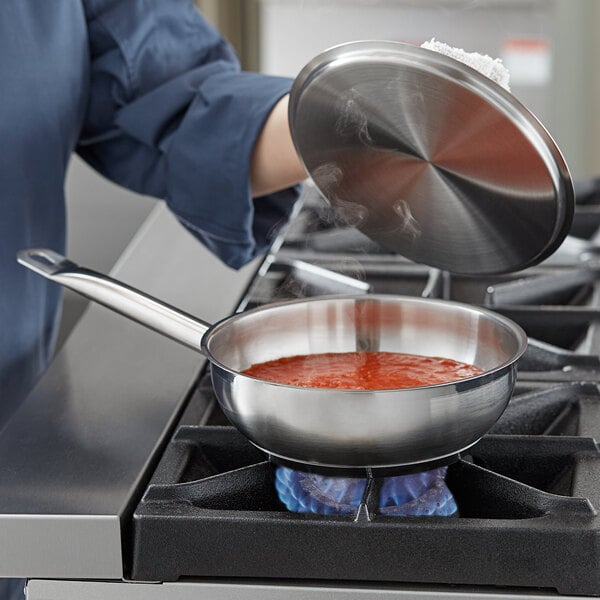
[(362, 370)]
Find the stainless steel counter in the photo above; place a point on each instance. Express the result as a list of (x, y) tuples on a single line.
[(74, 454)]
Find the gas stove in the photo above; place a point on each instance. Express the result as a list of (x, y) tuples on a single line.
[(526, 494), (206, 516)]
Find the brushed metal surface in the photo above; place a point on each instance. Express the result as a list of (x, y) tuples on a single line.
[(208, 590), (430, 158), (74, 454)]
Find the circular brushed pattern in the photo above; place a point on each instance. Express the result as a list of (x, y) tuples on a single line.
[(430, 158)]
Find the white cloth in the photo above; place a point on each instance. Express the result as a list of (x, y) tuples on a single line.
[(486, 65)]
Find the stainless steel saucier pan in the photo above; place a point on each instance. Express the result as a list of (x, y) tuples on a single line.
[(325, 427)]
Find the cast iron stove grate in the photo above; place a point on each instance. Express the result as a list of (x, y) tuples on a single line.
[(527, 495)]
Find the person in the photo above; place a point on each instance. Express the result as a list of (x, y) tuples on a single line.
[(151, 96)]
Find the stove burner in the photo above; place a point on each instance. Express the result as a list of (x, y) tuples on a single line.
[(419, 494)]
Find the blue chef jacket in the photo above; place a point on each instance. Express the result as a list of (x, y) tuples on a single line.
[(153, 98)]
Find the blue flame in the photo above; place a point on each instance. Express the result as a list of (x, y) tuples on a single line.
[(308, 492), (420, 494)]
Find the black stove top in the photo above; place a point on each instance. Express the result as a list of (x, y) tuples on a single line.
[(527, 493)]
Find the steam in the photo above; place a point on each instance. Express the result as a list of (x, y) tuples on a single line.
[(328, 176), (408, 225), (352, 120)]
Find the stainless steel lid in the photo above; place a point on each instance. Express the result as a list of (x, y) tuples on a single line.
[(430, 158)]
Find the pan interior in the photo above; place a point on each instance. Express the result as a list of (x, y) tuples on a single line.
[(388, 324)]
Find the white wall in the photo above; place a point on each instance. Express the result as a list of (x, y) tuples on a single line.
[(564, 99)]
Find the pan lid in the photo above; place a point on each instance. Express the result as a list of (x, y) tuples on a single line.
[(430, 158)]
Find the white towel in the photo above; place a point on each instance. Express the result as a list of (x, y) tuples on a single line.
[(486, 65)]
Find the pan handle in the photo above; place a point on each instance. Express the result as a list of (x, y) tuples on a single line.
[(121, 298)]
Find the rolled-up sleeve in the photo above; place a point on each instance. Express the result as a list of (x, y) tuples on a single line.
[(171, 115)]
